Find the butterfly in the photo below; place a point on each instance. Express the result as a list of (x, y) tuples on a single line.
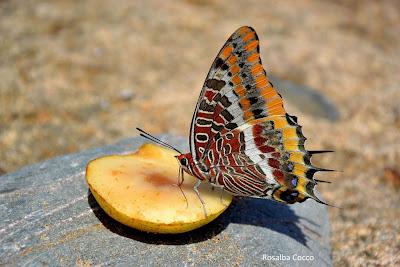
[(241, 138)]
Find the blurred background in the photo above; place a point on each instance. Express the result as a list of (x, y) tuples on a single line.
[(80, 74)]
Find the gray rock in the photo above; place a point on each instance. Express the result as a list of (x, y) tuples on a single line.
[(126, 94), (306, 99), (50, 218)]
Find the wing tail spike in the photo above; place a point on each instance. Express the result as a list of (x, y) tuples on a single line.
[(324, 170), (324, 203), (322, 181), (313, 152), (310, 192)]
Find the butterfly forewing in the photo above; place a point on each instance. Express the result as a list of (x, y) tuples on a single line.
[(236, 90)]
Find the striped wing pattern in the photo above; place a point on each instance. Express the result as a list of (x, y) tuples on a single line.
[(241, 138)]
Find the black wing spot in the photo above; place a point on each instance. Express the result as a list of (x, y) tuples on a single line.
[(310, 188), (253, 100), (218, 62), (205, 107), (310, 173), (219, 144), (257, 112), (203, 122), (224, 66), (227, 149), (231, 126), (229, 136), (225, 101), (211, 155), (291, 120), (289, 196), (306, 159), (241, 141), (216, 127), (217, 136), (299, 133), (215, 84), (217, 97), (228, 116), (201, 137), (259, 116)]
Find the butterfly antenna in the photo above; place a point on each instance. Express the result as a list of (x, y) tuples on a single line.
[(156, 140)]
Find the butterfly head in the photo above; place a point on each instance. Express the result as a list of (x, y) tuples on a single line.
[(185, 162)]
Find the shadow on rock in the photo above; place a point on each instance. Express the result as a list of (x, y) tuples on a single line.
[(198, 235), (270, 214), (249, 211)]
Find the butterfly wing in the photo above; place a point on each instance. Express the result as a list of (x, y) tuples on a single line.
[(242, 132), (225, 102)]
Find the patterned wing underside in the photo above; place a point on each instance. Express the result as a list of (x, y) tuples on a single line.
[(241, 131), (236, 90)]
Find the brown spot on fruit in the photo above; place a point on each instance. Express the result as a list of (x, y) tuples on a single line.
[(157, 179), (115, 172)]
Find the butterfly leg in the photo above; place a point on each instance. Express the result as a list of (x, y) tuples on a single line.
[(180, 182), (198, 195), (221, 187), (222, 193), (180, 175)]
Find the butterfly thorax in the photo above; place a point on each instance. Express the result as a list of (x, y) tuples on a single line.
[(195, 168)]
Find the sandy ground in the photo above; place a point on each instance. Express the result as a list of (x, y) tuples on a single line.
[(79, 74)]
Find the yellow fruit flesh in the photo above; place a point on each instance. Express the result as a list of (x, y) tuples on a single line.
[(140, 190)]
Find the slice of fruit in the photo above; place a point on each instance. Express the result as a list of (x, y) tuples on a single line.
[(140, 190)]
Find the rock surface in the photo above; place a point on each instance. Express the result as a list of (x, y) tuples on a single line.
[(50, 218), (307, 100)]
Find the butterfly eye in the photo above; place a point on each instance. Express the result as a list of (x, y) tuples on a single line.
[(183, 161)]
